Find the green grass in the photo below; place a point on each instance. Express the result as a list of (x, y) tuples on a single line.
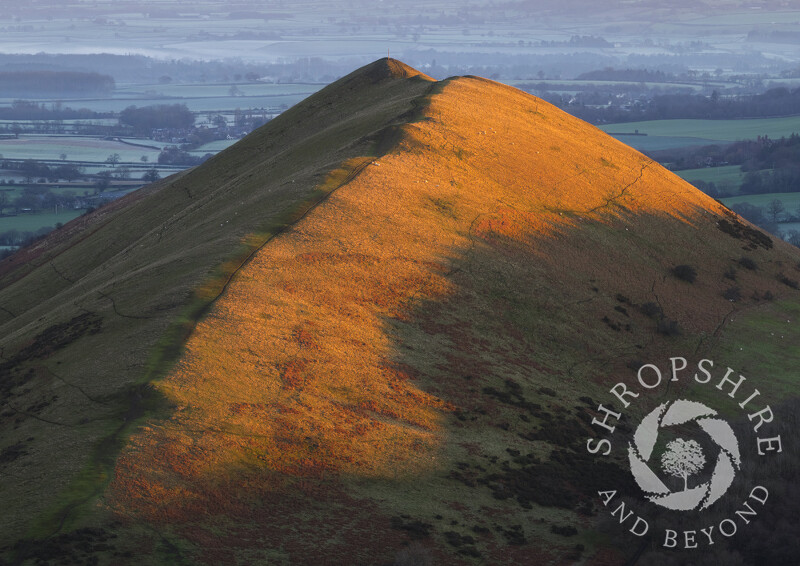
[(655, 143), (214, 146), (32, 222), (720, 130), (790, 200), (730, 174), (77, 148), (759, 344), (205, 243)]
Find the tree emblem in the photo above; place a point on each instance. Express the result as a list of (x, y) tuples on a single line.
[(682, 459)]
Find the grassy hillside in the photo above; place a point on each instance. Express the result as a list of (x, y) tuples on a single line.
[(385, 318), (93, 312)]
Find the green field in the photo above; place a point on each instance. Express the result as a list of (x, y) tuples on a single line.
[(655, 143), (720, 130), (790, 200), (33, 222), (76, 148), (730, 174)]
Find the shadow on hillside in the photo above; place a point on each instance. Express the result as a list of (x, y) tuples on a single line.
[(524, 348)]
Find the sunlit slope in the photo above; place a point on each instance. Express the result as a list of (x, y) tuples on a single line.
[(375, 368), (96, 309)]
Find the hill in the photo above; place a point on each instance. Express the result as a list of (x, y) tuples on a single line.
[(387, 316)]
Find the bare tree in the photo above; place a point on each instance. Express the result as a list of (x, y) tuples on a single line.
[(775, 209), (683, 458)]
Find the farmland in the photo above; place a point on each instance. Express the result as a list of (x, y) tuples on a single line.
[(669, 134), (790, 200), (75, 148), (729, 174), (34, 222), (720, 130)]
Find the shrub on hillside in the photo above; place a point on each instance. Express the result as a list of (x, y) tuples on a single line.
[(733, 294), (685, 273), (651, 309), (748, 263), (788, 282), (668, 327)]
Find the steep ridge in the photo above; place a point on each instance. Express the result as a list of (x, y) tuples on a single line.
[(92, 312), (370, 370), (431, 280)]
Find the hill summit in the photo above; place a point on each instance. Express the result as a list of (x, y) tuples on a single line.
[(383, 318)]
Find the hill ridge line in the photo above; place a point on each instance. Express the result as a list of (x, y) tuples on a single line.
[(280, 230)]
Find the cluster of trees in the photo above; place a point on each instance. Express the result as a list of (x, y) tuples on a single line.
[(784, 180), (21, 238), (630, 75), (38, 199), (37, 172), (773, 103), (28, 110), (769, 218), (772, 166), (32, 170), (174, 155), (160, 116), (579, 41), (54, 83)]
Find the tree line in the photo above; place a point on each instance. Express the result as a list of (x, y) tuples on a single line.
[(776, 102), (23, 83), (632, 75), (770, 166), (159, 116), (21, 109), (760, 153)]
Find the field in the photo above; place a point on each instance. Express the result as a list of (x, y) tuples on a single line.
[(655, 143), (197, 97), (730, 174), (76, 148), (790, 200), (33, 222), (558, 85), (719, 130), (195, 104), (670, 134), (214, 146), (213, 90)]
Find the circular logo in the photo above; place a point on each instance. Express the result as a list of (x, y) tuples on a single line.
[(683, 458)]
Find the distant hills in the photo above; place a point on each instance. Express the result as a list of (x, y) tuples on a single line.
[(378, 331)]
